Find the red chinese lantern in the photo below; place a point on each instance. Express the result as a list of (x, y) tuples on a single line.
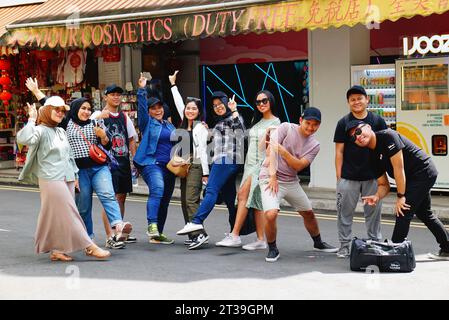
[(4, 64), (5, 96), (5, 80), (75, 60)]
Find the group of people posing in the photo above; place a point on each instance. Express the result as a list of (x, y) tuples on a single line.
[(60, 139)]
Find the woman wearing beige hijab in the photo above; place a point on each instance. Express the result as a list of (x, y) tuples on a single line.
[(60, 229)]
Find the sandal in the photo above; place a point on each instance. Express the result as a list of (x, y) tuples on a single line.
[(124, 231), (97, 252), (59, 256)]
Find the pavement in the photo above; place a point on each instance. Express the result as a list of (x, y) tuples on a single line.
[(321, 198), (171, 272)]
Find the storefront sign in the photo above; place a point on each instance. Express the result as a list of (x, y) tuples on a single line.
[(279, 17), (424, 45)]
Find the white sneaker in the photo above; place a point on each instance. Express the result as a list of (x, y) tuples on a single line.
[(343, 252), (189, 228), (230, 241), (256, 245)]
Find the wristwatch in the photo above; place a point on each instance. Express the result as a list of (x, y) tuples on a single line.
[(400, 195)]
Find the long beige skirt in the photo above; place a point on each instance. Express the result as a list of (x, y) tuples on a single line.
[(59, 226)]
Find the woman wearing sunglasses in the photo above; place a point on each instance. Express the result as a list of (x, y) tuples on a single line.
[(195, 148), (50, 163), (249, 195)]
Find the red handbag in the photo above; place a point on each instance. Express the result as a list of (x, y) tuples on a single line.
[(96, 154)]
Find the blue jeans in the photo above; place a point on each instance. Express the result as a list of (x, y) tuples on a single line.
[(161, 183), (97, 179), (221, 179)]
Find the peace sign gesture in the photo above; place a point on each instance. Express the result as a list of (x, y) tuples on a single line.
[(232, 104), (32, 112)]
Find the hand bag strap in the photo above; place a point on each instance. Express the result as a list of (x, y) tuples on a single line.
[(82, 134)]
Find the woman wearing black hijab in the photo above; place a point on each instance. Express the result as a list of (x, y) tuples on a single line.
[(81, 132), (226, 163)]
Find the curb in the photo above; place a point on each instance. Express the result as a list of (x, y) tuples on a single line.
[(318, 203)]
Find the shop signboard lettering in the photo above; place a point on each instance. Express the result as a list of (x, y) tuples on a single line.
[(423, 45), (285, 16)]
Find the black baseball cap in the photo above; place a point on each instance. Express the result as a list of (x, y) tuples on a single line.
[(152, 101), (311, 113), (356, 90), (113, 88), (352, 124)]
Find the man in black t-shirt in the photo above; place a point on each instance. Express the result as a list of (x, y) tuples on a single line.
[(414, 173), (354, 174)]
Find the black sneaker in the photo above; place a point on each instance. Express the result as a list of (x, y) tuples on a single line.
[(198, 241), (130, 239), (441, 255), (188, 242), (273, 255), (325, 247), (113, 243)]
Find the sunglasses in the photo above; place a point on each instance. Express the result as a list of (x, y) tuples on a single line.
[(59, 110), (263, 101), (357, 132)]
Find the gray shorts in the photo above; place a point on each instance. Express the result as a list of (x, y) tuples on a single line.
[(290, 191)]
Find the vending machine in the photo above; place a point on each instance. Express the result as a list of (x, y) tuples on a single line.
[(422, 113), (379, 82)]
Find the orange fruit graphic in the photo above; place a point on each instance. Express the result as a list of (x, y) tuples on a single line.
[(413, 134)]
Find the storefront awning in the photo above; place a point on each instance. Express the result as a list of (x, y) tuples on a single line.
[(86, 23), (12, 13)]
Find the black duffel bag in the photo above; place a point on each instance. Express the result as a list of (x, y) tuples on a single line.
[(386, 256)]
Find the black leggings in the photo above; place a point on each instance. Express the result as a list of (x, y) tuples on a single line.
[(418, 197)]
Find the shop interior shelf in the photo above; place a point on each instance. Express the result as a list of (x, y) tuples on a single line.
[(6, 144), (3, 130), (424, 89), (380, 87), (381, 106)]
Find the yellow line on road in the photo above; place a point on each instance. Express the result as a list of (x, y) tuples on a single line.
[(320, 216)]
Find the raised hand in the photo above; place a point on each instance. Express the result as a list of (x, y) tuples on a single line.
[(172, 78), (232, 104), (32, 112), (142, 81), (32, 84)]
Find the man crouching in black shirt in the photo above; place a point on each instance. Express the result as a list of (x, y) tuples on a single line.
[(414, 173)]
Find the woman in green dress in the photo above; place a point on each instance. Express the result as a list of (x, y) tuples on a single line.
[(249, 195)]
